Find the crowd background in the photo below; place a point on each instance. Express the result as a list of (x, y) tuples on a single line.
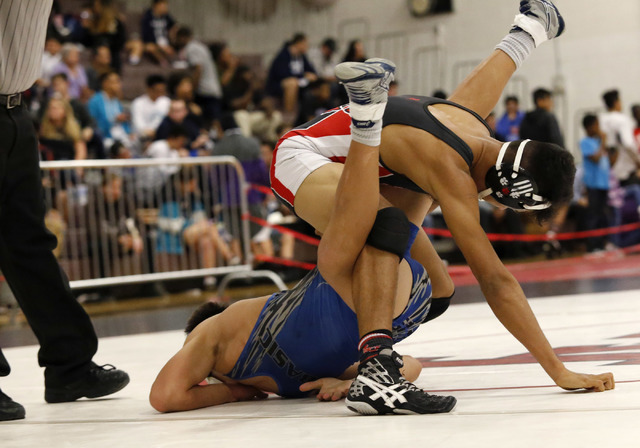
[(121, 86)]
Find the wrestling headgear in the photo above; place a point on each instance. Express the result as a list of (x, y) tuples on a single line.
[(511, 185)]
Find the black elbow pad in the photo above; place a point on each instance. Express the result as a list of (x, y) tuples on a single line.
[(438, 307)]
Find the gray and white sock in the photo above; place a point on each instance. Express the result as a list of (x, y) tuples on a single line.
[(518, 45)]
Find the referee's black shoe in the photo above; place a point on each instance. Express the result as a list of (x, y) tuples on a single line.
[(9, 409), (99, 381)]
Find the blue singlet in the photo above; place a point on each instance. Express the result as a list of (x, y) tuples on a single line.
[(308, 332)]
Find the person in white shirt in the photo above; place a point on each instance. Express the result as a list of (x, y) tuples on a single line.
[(173, 147), (51, 57), (148, 110), (324, 59), (618, 128)]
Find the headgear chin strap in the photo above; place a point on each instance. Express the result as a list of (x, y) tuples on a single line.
[(517, 189)]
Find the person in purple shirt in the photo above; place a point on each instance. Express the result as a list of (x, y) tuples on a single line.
[(76, 74), (508, 127)]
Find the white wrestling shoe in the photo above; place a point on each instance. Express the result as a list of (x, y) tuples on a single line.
[(541, 19), (380, 389), (367, 84)]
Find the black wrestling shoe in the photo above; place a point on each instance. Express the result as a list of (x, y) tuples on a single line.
[(380, 389), (97, 382), (9, 409)]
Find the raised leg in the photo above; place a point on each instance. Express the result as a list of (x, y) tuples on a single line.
[(538, 21)]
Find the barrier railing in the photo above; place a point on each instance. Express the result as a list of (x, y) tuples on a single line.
[(131, 221)]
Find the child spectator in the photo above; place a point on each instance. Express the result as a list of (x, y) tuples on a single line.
[(148, 110), (184, 221), (156, 26), (508, 127), (596, 178)]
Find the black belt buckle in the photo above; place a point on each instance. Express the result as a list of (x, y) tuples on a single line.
[(14, 100)]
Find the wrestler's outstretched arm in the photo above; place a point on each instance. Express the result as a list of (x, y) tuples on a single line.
[(501, 290), (177, 387)]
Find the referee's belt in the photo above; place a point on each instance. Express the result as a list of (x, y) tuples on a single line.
[(11, 101)]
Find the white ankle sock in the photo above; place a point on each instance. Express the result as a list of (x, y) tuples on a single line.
[(368, 136), (518, 45), (366, 123)]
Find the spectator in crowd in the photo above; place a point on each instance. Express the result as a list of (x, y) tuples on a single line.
[(179, 115), (76, 75), (174, 146), (148, 110), (65, 27), (508, 127), (60, 88), (181, 88), (60, 133), (618, 128), (491, 121), (324, 59), (226, 62), (157, 25), (635, 113), (261, 123), (541, 124), (247, 151), (115, 233), (355, 52), (183, 221), (393, 88), (596, 169), (106, 28), (100, 64), (290, 72), (316, 100), (239, 92), (203, 70), (106, 109), (51, 57)]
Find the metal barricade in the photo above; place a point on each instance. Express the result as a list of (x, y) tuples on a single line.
[(140, 220)]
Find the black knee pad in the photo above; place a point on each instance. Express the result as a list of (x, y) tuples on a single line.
[(438, 307), (390, 232)]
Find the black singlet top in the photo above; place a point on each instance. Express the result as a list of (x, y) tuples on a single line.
[(411, 110)]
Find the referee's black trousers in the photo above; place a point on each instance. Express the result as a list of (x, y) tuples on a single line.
[(65, 333)]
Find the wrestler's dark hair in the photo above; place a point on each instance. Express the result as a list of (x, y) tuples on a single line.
[(553, 169), (610, 97), (202, 313)]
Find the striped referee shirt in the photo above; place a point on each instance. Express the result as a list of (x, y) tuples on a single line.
[(23, 26)]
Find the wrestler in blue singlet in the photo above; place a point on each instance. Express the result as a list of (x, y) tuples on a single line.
[(309, 332)]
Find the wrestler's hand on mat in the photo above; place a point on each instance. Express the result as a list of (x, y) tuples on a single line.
[(329, 389), (598, 383), (242, 392)]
